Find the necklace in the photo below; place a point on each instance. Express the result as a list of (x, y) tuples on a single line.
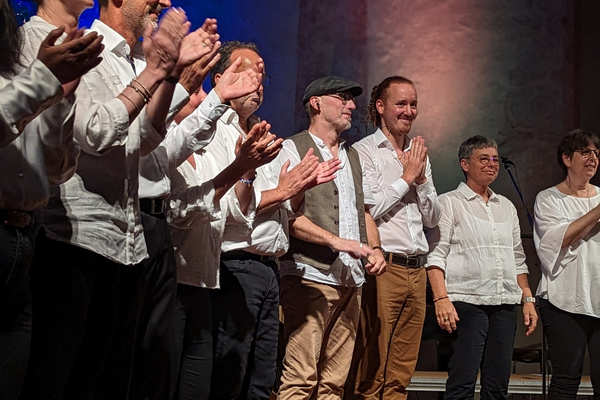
[(567, 182)]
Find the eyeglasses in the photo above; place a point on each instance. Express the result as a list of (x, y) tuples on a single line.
[(485, 160), (344, 97), (266, 80), (587, 153)]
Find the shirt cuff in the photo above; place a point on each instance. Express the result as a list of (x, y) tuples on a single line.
[(401, 187)]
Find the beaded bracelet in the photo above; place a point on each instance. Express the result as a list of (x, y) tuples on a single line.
[(247, 182)]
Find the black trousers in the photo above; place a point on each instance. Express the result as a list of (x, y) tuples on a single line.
[(484, 340), (16, 254), (102, 330), (568, 336), (246, 326), (193, 343)]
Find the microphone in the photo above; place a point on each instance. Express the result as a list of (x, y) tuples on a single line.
[(507, 162)]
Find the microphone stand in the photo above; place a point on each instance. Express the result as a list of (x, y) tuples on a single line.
[(544, 355)]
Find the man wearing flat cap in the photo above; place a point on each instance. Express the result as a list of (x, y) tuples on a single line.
[(322, 273)]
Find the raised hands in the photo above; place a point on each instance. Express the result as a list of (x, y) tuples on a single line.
[(259, 148), (196, 45), (414, 162), (75, 56), (161, 46), (234, 84), (193, 76)]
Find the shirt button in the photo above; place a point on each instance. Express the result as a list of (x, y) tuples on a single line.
[(21, 175), (336, 222), (335, 192), (335, 207)]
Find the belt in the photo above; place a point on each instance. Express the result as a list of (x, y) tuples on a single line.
[(16, 218), (246, 255), (406, 261), (152, 206)]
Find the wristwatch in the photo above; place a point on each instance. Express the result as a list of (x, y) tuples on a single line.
[(528, 300)]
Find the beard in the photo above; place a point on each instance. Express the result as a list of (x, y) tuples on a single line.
[(136, 23)]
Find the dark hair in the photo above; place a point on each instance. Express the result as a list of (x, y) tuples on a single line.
[(225, 60), (10, 41), (466, 148), (103, 4), (377, 93), (575, 140)]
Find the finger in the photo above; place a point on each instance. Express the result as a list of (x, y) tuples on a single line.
[(52, 36), (72, 33), (148, 33), (285, 166)]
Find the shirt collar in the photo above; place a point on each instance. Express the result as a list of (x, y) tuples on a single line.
[(112, 40), (381, 139), (231, 117), (471, 195)]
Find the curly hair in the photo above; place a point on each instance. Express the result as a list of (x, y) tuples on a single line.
[(377, 93), (225, 60), (10, 41)]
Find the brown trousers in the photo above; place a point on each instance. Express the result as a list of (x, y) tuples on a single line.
[(320, 324), (387, 347)]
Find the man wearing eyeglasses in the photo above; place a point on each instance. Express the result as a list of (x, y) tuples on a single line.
[(322, 274), (393, 307), (245, 308)]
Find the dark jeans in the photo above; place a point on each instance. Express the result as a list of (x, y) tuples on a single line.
[(484, 339), (246, 325), (568, 335), (75, 296), (193, 343), (16, 253)]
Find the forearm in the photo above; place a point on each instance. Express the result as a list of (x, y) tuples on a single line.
[(306, 230), (581, 227), (244, 191), (523, 282), (225, 181), (372, 231), (270, 199), (437, 281), (158, 107)]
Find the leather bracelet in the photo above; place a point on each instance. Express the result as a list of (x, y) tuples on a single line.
[(148, 94), (172, 80), (138, 91), (378, 247), (131, 101), (440, 298)]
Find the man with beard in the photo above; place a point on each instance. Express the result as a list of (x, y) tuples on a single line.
[(245, 308), (322, 274), (36, 151), (393, 308), (88, 304)]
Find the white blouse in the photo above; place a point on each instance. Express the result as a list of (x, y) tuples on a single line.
[(570, 276), (479, 248)]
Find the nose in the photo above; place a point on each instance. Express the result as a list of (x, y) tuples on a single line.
[(165, 3), (351, 104)]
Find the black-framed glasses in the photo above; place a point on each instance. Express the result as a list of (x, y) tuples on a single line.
[(485, 160), (344, 97), (587, 152), (266, 80)]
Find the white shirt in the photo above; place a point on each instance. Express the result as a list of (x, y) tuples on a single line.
[(197, 224), (400, 211), (35, 152), (479, 248), (269, 232), (570, 276), (98, 208), (345, 270)]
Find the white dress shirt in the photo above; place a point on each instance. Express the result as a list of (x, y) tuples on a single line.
[(36, 152), (98, 208), (479, 248), (197, 223), (571, 275), (268, 234), (400, 211), (345, 270)]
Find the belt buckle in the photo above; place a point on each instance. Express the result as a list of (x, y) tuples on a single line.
[(18, 219), (157, 206)]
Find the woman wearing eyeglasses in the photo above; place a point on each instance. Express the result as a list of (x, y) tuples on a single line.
[(478, 275), (568, 245)]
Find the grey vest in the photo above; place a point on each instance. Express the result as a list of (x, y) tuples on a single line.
[(322, 208)]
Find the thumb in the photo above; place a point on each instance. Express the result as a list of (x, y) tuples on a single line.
[(148, 32), (284, 167), (238, 144), (52, 36)]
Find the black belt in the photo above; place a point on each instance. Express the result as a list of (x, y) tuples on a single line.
[(245, 255), (152, 206), (17, 219), (406, 261)]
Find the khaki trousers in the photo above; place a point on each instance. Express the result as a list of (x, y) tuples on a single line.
[(387, 347), (320, 324)]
